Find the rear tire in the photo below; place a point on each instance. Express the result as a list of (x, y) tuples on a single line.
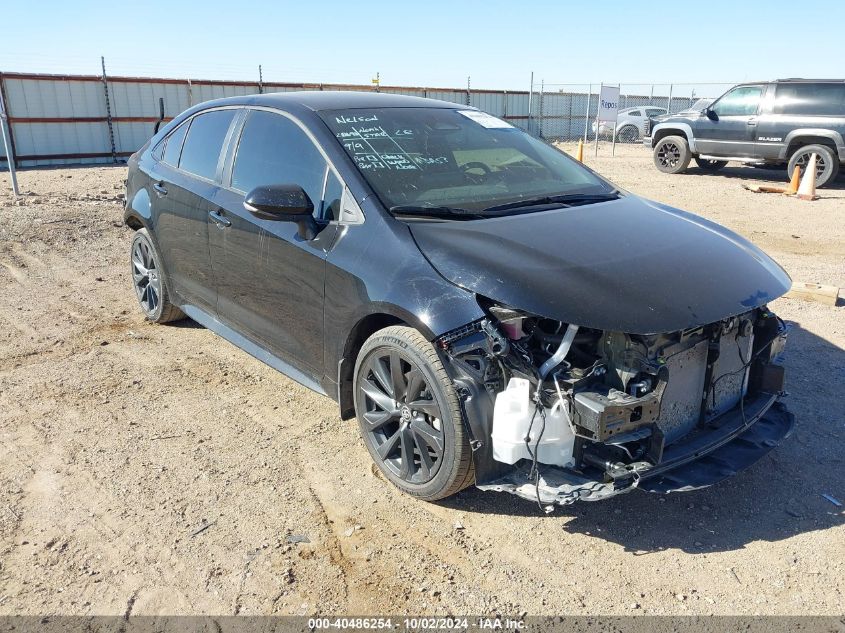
[(150, 282), (710, 165), (672, 154), (827, 163), (628, 134), (409, 415)]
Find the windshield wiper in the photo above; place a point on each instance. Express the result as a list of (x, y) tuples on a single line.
[(568, 199), (433, 211)]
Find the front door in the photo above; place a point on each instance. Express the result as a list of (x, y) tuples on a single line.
[(729, 126), (270, 281)]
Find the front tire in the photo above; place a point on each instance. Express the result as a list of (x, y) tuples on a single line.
[(149, 281), (409, 415), (672, 154), (827, 163)]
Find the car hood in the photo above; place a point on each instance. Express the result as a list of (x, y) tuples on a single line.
[(627, 265)]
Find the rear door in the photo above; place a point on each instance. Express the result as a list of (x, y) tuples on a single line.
[(187, 179), (731, 127), (270, 280)]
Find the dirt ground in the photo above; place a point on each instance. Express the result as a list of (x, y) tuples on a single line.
[(159, 470)]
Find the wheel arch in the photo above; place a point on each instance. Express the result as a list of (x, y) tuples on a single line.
[(138, 212), (662, 130), (798, 138), (363, 329)]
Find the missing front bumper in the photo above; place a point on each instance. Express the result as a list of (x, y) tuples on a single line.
[(700, 461)]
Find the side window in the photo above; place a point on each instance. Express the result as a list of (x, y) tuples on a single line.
[(273, 150), (173, 145), (742, 101), (635, 113), (332, 198), (655, 112), (810, 99), (158, 150), (204, 142)]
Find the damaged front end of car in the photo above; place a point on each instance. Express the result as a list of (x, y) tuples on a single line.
[(559, 412)]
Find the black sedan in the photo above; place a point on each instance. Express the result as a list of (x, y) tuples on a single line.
[(492, 311)]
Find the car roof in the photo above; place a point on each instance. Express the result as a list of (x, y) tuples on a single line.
[(791, 80), (317, 100), (811, 81)]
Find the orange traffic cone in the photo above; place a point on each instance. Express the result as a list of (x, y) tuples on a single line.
[(792, 189), (807, 190), (579, 155)]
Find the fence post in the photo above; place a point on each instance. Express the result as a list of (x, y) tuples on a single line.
[(260, 80), (469, 101), (669, 103), (108, 111), (6, 129), (530, 99), (542, 91), (598, 107), (587, 111)]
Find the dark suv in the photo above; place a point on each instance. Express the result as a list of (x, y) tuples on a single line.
[(774, 123)]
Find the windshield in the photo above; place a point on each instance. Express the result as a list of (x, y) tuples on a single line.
[(455, 160)]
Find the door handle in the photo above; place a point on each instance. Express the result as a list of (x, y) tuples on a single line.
[(160, 189), (219, 219), (752, 122)]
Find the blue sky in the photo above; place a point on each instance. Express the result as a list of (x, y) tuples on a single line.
[(432, 42)]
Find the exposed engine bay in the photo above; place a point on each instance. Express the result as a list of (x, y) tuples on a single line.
[(559, 412)]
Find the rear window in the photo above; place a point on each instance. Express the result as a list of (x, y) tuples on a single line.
[(201, 150), (810, 99)]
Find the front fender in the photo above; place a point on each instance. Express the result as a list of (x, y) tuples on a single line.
[(686, 128)]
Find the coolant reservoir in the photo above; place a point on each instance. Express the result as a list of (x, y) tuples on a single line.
[(512, 419)]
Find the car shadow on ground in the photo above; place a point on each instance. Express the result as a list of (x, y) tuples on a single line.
[(186, 323), (777, 498), (777, 175)]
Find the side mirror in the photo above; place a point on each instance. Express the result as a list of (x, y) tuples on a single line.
[(710, 114), (285, 203)]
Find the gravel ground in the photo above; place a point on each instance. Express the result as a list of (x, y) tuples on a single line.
[(159, 470)]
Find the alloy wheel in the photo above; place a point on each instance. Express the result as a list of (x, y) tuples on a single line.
[(628, 134), (145, 276), (403, 420), (804, 158), (669, 154)]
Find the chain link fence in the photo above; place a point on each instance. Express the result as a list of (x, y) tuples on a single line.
[(567, 112), (72, 119)]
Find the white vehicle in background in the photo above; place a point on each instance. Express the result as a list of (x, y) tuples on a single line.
[(630, 123), (698, 106)]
